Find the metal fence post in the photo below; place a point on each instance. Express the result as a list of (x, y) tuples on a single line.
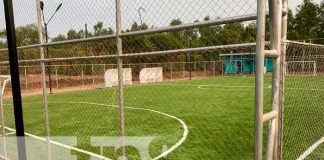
[(82, 75), (41, 50), (93, 78), (171, 70), (275, 13), (282, 81), (205, 69), (223, 66), (56, 77), (259, 79), (120, 78), (15, 82), (183, 70), (214, 68), (26, 80)]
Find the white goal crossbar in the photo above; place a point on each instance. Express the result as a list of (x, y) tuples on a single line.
[(4, 79)]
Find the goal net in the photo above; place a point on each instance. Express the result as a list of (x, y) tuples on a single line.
[(151, 75), (111, 77), (301, 68), (303, 110), (4, 79)]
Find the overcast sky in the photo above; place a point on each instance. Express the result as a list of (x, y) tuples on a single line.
[(76, 13)]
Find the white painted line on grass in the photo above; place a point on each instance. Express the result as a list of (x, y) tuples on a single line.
[(165, 153), (306, 89), (62, 145), (311, 149), (162, 155), (204, 86), (11, 133)]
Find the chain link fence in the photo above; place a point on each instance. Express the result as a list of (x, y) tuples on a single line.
[(153, 87), (77, 77)]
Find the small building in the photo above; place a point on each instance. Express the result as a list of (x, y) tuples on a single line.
[(243, 63)]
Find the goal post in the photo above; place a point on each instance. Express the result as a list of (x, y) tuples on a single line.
[(111, 77), (4, 79), (301, 68), (151, 75)]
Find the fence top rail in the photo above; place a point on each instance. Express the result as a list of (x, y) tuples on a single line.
[(220, 21), (154, 53), (125, 64)]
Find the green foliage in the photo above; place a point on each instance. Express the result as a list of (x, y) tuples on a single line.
[(25, 35), (307, 23), (307, 20)]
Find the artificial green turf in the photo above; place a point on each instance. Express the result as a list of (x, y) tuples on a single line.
[(218, 112), (303, 116)]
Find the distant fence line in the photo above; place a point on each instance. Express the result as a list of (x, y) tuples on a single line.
[(87, 76), (92, 75)]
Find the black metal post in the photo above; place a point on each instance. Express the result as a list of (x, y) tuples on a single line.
[(46, 41), (49, 63), (14, 71), (190, 62)]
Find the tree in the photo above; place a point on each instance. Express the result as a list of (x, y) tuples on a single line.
[(249, 34), (72, 34), (291, 32), (59, 38), (232, 33), (25, 35), (321, 24), (307, 21), (99, 30)]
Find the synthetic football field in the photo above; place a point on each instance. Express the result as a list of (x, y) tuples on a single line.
[(210, 118)]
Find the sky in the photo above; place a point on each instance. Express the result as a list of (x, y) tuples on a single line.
[(158, 13)]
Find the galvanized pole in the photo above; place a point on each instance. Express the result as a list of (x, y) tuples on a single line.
[(93, 78), (259, 80), (284, 28), (82, 75), (56, 78), (275, 13), (26, 80), (190, 65), (86, 36), (120, 78), (15, 82), (43, 76)]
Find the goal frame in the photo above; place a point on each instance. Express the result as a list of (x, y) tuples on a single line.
[(4, 79), (302, 72)]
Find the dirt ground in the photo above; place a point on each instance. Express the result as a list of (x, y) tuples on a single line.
[(31, 84)]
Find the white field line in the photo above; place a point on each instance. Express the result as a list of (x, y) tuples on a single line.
[(164, 154), (4, 158), (62, 145), (204, 86), (224, 87), (11, 133), (311, 149), (306, 89), (171, 149)]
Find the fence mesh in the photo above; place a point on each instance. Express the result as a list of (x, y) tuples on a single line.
[(188, 91), (303, 111)]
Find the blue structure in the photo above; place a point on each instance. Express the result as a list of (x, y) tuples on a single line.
[(243, 63)]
